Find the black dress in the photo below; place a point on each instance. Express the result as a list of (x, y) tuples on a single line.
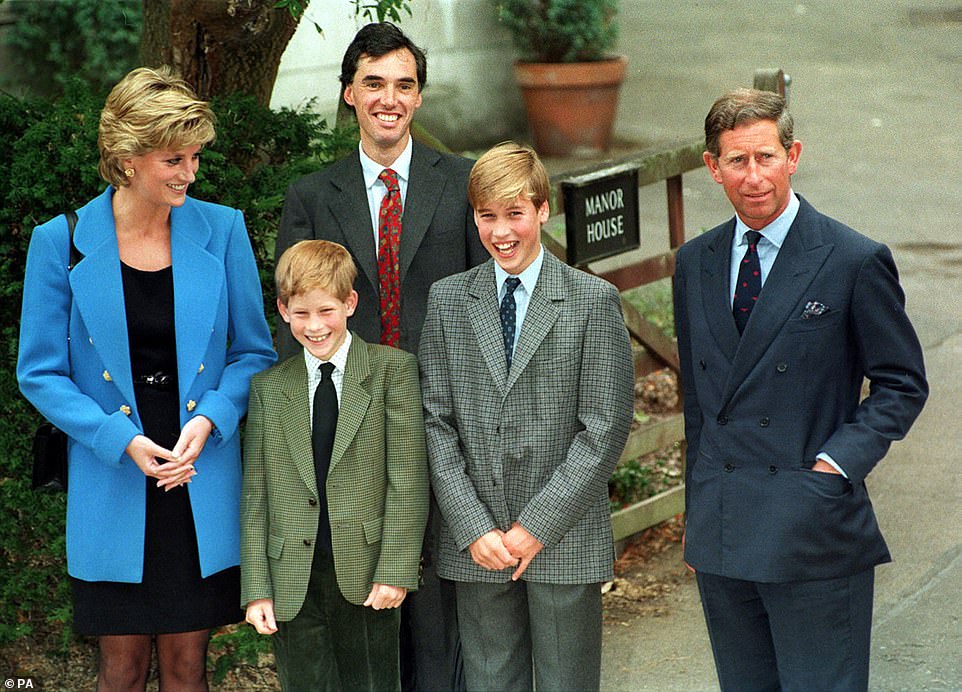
[(172, 597)]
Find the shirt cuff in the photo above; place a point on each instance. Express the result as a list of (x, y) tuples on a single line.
[(831, 462)]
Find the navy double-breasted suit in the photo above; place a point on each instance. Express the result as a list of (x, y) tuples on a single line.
[(759, 408)]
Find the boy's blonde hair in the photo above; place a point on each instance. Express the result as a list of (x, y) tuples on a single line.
[(312, 264), (149, 110), (505, 172)]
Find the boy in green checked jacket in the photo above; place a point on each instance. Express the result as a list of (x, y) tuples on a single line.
[(335, 495)]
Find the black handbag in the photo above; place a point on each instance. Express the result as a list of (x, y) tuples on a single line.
[(49, 442), (49, 458)]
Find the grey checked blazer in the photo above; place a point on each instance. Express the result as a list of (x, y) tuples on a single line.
[(537, 445), (377, 485)]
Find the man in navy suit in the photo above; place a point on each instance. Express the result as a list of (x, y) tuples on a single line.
[(781, 314), (382, 75)]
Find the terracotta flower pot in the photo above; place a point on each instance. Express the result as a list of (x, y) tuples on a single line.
[(571, 106)]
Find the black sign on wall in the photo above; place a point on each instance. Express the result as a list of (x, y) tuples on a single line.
[(601, 216)]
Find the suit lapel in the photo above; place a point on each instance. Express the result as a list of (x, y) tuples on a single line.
[(355, 399), (295, 420), (716, 290), (98, 290), (198, 278), (425, 183), (349, 205), (799, 259), (544, 307), (483, 315)]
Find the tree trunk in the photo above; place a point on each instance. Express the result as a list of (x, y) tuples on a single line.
[(218, 46)]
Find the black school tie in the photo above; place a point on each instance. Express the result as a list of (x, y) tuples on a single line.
[(509, 316), (324, 425), (749, 282)]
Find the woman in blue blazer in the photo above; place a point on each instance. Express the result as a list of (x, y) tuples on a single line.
[(143, 354)]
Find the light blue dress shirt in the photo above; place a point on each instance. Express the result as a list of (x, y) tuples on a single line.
[(773, 235), (522, 294)]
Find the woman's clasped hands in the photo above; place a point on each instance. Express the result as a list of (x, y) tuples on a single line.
[(177, 465)]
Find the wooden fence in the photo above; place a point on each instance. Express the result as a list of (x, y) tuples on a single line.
[(656, 350)]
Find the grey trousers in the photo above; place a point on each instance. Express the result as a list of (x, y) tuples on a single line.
[(523, 635)]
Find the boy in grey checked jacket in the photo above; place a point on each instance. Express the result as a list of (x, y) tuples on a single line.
[(528, 384)]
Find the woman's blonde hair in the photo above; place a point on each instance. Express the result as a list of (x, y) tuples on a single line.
[(311, 264), (149, 110)]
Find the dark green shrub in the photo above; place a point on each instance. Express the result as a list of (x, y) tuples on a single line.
[(91, 39), (49, 152)]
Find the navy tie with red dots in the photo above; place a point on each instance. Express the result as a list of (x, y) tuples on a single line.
[(509, 316), (749, 282)]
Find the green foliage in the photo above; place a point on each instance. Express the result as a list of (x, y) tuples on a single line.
[(654, 302), (381, 9), (257, 154), (49, 154), (631, 482), (560, 30), (236, 645), (94, 40), (378, 10)]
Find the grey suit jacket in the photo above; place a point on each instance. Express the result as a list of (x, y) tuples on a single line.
[(438, 235), (760, 408), (536, 445), (377, 485)]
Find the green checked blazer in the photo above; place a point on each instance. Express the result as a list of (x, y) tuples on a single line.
[(536, 445), (377, 485)]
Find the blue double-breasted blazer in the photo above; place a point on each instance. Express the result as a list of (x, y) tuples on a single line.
[(74, 367)]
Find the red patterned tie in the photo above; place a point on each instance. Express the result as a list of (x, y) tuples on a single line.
[(388, 266)]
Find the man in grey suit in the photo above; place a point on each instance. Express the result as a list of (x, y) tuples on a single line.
[(781, 313), (382, 75), (528, 386)]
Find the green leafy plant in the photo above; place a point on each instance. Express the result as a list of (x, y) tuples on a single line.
[(235, 646), (560, 30), (51, 41), (654, 301), (370, 10), (630, 482)]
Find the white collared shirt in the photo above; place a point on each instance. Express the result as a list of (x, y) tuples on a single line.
[(339, 359), (376, 189), (522, 294)]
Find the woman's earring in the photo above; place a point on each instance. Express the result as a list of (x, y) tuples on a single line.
[(129, 172)]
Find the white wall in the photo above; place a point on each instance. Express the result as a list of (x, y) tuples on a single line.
[(471, 100)]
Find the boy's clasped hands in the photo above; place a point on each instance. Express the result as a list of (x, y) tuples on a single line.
[(497, 549)]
